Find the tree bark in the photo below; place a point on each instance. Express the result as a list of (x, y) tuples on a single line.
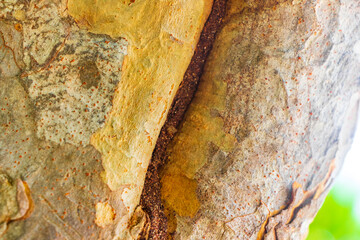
[(85, 90), (270, 123)]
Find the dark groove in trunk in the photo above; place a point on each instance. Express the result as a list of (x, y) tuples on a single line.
[(151, 196)]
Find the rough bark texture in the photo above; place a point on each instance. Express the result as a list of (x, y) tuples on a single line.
[(259, 146), (86, 85), (82, 107)]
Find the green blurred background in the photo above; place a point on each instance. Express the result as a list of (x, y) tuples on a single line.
[(339, 217)]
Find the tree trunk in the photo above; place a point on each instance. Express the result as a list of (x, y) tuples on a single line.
[(85, 88)]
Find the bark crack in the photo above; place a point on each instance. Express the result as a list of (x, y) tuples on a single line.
[(151, 196)]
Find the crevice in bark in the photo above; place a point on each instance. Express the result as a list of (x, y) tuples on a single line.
[(151, 198)]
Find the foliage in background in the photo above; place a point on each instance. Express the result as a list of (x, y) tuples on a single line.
[(336, 219)]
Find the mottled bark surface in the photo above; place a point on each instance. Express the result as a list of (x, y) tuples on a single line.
[(270, 123), (85, 90), (55, 89), (85, 87), (256, 153)]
